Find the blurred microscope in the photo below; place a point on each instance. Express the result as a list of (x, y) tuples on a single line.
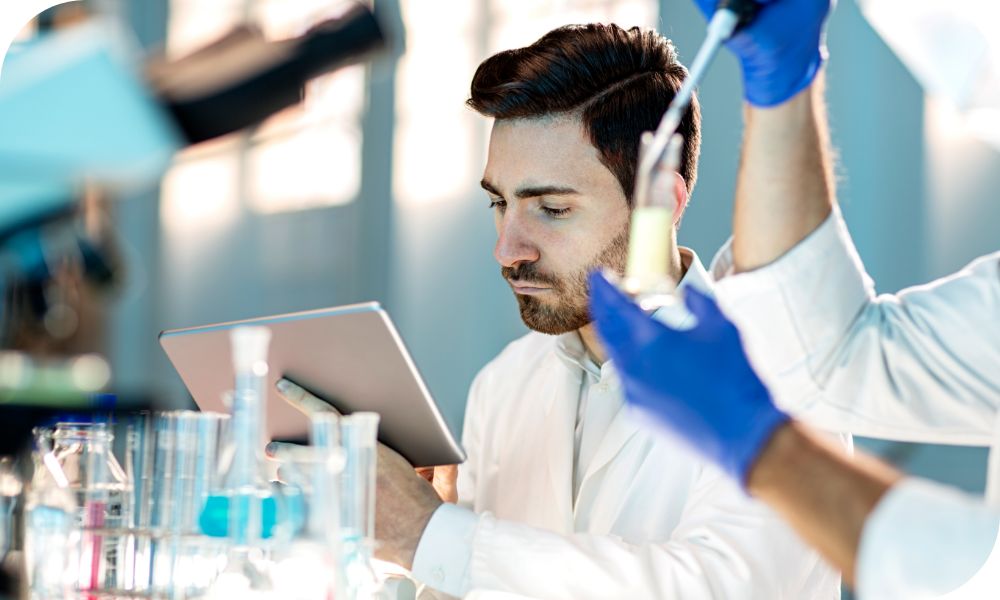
[(180, 506)]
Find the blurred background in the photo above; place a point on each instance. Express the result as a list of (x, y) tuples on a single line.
[(369, 190)]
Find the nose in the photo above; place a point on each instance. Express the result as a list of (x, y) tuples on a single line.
[(514, 245)]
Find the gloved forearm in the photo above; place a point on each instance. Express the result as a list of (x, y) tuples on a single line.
[(695, 384)]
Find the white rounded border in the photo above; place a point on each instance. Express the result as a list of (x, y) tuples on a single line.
[(14, 15)]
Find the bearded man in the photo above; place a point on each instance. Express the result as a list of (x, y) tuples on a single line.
[(564, 493)]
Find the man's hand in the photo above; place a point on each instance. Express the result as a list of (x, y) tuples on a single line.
[(404, 499), (444, 478), (697, 384), (404, 503), (782, 50)]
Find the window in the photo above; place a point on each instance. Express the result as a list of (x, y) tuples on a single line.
[(308, 156), (437, 138)]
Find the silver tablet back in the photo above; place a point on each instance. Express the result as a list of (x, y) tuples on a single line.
[(350, 356)]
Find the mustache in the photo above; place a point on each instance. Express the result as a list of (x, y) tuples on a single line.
[(528, 273)]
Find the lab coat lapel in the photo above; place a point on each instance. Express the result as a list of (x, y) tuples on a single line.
[(557, 430), (622, 429)]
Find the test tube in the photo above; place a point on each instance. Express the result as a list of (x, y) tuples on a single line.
[(186, 454), (139, 452), (647, 273), (359, 438), (328, 466)]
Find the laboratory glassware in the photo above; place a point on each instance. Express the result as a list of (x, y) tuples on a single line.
[(243, 507), (311, 566), (359, 438), (51, 532), (81, 463), (647, 271), (10, 490), (652, 219), (184, 465)]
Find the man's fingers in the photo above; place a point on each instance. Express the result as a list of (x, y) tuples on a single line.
[(443, 478), (427, 473), (446, 482), (280, 450), (285, 452), (298, 397)]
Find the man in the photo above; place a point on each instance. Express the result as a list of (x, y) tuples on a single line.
[(563, 495), (918, 366)]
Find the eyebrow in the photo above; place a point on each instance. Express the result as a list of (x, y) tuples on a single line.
[(532, 191)]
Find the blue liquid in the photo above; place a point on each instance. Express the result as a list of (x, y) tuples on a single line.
[(214, 518)]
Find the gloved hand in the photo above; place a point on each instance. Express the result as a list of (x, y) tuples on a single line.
[(697, 384), (782, 50)]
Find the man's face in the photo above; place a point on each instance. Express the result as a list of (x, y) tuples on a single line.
[(559, 213)]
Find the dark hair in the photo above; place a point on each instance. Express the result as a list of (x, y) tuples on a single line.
[(619, 80)]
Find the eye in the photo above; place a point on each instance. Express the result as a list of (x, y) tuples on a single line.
[(555, 212), (500, 205)]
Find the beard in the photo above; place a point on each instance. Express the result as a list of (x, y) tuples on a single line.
[(569, 310)]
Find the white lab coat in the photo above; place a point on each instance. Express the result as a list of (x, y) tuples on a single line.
[(650, 521), (920, 366), (924, 540)]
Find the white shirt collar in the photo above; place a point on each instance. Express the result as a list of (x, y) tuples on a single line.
[(570, 349)]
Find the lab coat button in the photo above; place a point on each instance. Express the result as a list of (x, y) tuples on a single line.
[(438, 575)]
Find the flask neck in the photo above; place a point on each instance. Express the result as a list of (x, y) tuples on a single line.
[(93, 436)]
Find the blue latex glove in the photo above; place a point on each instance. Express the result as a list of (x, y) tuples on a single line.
[(782, 50), (697, 384)]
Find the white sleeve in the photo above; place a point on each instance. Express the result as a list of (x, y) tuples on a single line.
[(723, 548), (921, 365), (924, 540), (445, 549)]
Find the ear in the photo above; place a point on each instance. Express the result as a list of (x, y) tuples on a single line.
[(681, 194)]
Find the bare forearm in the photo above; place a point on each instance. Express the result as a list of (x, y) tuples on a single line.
[(825, 495), (785, 185)]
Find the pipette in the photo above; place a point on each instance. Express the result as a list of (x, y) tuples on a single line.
[(729, 17), (647, 275)]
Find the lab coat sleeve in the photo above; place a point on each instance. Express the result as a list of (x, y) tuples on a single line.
[(923, 540), (721, 550), (919, 366)]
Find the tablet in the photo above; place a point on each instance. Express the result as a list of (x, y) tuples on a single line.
[(350, 356)]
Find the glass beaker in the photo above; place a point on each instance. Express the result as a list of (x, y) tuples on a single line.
[(82, 464)]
